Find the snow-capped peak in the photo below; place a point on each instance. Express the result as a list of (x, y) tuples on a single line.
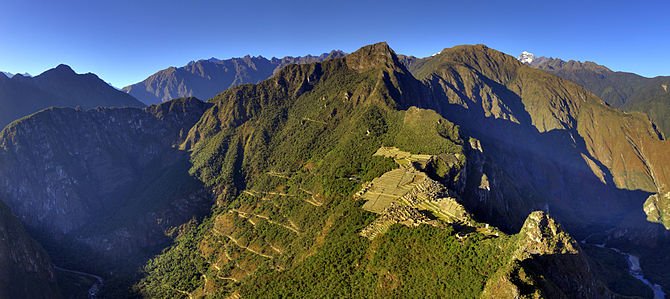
[(526, 57)]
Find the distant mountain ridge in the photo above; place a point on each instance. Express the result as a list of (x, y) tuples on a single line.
[(8, 74), (60, 87), (206, 78), (281, 168), (626, 91)]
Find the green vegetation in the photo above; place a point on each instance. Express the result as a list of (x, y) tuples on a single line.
[(627, 91), (287, 164), (286, 155), (405, 262), (430, 262)]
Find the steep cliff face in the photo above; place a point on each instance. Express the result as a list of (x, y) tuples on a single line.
[(206, 78), (102, 185), (26, 270), (549, 133), (547, 263)]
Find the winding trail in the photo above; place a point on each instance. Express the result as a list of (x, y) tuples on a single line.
[(249, 249), (250, 215), (95, 288)]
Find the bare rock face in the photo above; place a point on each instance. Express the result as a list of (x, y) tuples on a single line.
[(547, 263), (657, 208), (542, 234), (108, 182)]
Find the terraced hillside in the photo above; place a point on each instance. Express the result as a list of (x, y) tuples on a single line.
[(404, 194), (349, 177), (287, 155)]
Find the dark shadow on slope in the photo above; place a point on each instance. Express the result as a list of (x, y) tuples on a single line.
[(547, 170), (104, 190)]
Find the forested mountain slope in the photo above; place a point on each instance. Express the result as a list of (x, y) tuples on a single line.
[(355, 177), (206, 78)]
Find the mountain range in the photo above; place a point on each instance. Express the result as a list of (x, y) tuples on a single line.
[(9, 75), (60, 87), (464, 174), (206, 78), (626, 91)]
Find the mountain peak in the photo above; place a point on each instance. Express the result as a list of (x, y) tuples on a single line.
[(60, 70), (526, 57), (372, 57), (544, 235), (64, 68)]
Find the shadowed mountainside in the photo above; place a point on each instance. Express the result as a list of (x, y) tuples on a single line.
[(102, 189), (283, 160), (551, 135), (285, 156), (26, 270), (58, 87)]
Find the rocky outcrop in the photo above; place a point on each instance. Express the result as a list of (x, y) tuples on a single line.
[(26, 270), (657, 208), (547, 263)]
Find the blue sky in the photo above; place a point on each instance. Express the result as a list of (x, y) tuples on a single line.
[(123, 42)]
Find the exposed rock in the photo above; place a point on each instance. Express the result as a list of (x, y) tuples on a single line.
[(657, 208), (547, 263), (103, 183), (542, 235)]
